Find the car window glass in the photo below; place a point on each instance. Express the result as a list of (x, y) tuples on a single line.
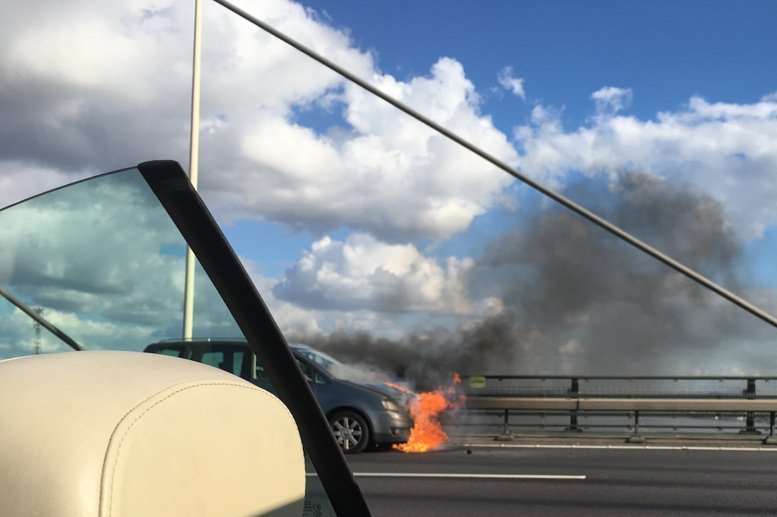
[(229, 358), (323, 360), (307, 371), (171, 351), (237, 362), (257, 368), (102, 261), (218, 359)]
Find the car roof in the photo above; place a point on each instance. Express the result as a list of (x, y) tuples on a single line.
[(199, 342)]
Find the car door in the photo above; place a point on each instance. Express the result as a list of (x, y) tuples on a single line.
[(318, 382), (104, 259)]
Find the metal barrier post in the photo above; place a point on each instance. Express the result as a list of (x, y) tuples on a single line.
[(574, 391), (770, 439), (506, 435), (635, 437), (750, 416)]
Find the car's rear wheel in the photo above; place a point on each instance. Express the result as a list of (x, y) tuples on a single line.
[(351, 431)]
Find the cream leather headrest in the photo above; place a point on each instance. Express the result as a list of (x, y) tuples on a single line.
[(124, 434)]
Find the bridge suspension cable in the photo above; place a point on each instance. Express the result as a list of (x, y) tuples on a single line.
[(515, 173)]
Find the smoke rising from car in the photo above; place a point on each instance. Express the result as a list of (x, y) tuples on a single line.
[(577, 300), (361, 373)]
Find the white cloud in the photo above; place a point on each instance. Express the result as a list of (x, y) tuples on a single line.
[(724, 149), (298, 322), (387, 175), (96, 87), (362, 273), (292, 319), (19, 180), (610, 100), (511, 83), (47, 51)]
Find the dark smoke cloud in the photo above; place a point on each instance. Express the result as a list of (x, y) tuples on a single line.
[(428, 359), (577, 300)]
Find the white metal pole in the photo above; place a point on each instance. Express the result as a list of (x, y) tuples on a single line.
[(194, 148)]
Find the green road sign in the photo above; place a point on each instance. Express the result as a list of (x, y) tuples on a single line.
[(477, 382)]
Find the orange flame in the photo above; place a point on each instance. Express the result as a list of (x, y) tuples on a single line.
[(427, 433)]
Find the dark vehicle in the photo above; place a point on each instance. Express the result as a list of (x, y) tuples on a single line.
[(360, 414)]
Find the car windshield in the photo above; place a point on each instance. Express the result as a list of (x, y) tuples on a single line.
[(325, 361)]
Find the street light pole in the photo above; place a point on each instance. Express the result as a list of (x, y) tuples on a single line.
[(194, 147)]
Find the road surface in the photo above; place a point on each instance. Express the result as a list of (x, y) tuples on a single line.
[(571, 481)]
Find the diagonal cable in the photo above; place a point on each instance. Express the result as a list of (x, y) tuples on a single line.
[(559, 198)]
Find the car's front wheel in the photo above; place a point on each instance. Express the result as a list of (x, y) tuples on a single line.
[(351, 431)]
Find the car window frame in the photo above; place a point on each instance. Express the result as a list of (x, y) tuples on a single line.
[(318, 372), (171, 186), (226, 272)]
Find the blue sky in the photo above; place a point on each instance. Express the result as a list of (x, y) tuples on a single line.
[(664, 52)]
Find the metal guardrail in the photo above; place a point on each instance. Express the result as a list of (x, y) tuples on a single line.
[(662, 397)]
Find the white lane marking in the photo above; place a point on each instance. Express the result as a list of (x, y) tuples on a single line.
[(620, 447), (456, 475)]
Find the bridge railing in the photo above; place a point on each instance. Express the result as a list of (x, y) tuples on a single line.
[(634, 403)]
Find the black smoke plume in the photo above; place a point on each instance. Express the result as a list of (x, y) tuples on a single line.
[(577, 300)]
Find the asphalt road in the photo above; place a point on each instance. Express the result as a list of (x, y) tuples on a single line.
[(617, 482)]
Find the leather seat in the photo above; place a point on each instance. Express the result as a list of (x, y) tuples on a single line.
[(125, 434)]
